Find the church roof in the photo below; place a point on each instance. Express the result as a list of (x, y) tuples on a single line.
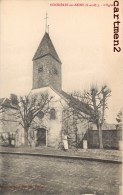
[(81, 106), (46, 47)]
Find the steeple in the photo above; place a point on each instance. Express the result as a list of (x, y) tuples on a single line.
[(46, 65), (46, 47)]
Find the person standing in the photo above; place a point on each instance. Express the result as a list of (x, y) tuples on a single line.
[(65, 142)]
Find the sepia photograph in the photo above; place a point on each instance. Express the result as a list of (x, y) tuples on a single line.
[(61, 97)]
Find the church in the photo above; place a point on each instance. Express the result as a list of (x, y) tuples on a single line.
[(47, 78)]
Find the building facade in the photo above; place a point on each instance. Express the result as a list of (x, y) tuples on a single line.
[(47, 78)]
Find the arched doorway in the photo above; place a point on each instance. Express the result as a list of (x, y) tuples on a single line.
[(41, 137)]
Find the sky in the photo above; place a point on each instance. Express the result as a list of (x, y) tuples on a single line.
[(83, 39)]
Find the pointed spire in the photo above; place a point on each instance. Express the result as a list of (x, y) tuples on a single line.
[(46, 47)]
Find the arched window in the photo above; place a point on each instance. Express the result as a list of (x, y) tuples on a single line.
[(52, 114)]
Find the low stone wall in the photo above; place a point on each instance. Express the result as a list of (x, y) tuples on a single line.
[(111, 138)]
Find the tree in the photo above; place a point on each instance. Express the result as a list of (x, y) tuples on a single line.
[(74, 115), (94, 103), (29, 107), (119, 119), (69, 124)]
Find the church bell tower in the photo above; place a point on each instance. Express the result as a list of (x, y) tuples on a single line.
[(46, 65)]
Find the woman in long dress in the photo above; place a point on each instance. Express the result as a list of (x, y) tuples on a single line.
[(65, 142)]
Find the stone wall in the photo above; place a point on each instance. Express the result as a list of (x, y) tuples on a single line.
[(111, 138), (53, 126)]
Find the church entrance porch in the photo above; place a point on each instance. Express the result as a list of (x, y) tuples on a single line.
[(41, 137)]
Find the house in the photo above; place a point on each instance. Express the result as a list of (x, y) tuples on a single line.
[(8, 121)]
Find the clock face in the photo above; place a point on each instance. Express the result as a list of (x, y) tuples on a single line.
[(55, 71)]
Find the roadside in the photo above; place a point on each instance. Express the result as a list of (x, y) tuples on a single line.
[(114, 156)]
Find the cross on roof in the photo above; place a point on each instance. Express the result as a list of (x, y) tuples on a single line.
[(48, 28), (46, 22)]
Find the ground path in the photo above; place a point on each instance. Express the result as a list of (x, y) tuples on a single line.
[(35, 175)]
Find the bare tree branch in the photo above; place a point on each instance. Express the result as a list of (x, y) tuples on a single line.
[(28, 108), (93, 102)]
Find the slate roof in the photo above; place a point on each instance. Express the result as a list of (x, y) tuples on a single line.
[(81, 106), (5, 102), (46, 47)]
